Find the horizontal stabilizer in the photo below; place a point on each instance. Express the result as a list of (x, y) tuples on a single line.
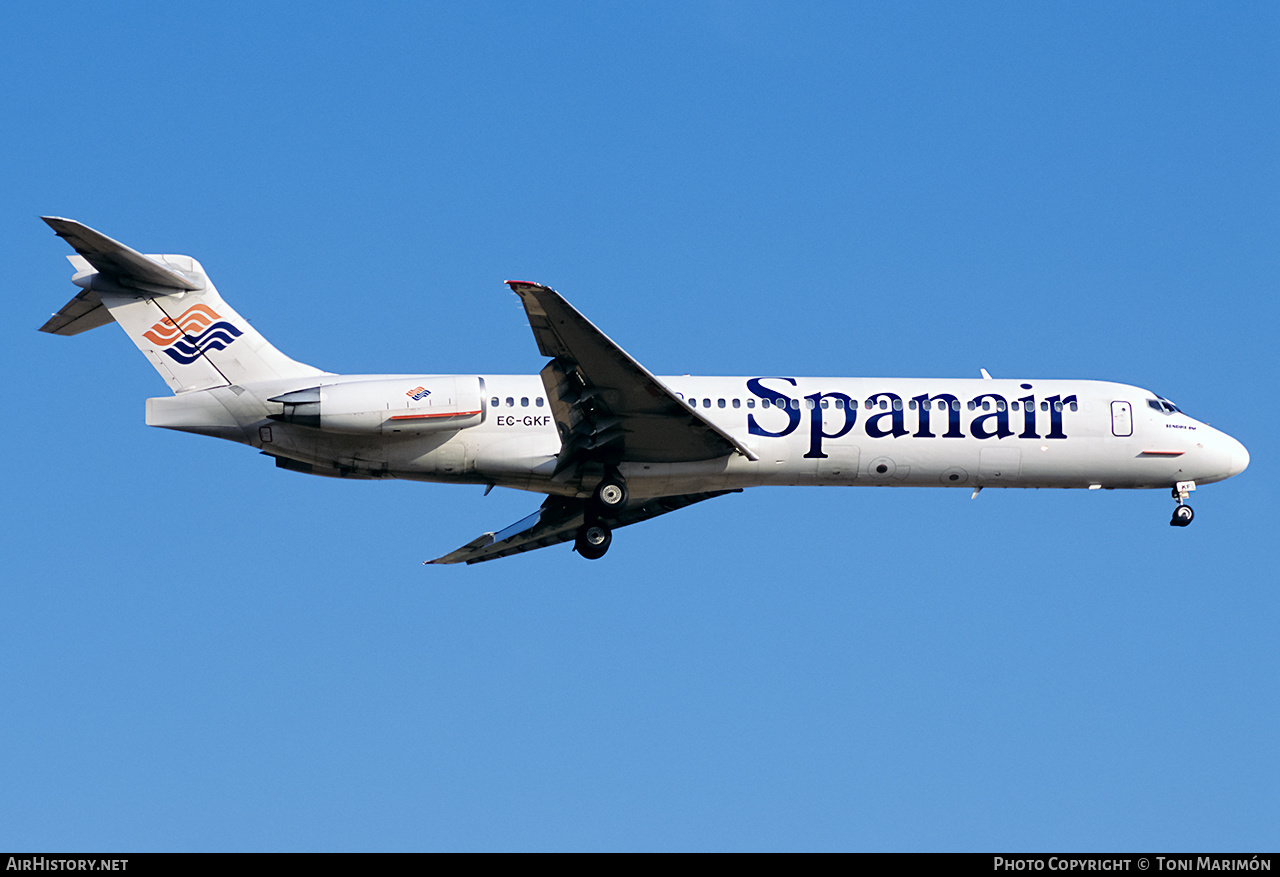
[(82, 313), (114, 260)]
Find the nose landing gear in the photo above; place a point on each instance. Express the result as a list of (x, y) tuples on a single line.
[(1182, 515)]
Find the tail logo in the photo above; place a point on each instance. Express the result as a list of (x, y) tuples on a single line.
[(198, 329)]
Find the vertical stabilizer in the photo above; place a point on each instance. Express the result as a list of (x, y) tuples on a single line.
[(169, 308)]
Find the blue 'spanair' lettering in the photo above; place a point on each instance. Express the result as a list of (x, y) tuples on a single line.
[(1056, 404), (886, 415), (816, 433), (924, 404), (1028, 416), (895, 414), (772, 396), (1000, 415)]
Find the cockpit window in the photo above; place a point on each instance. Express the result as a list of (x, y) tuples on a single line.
[(1163, 405)]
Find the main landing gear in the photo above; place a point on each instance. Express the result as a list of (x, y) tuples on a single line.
[(1182, 515), (610, 497)]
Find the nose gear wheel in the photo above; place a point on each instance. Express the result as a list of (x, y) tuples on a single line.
[(1182, 515)]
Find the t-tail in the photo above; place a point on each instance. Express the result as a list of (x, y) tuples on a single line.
[(170, 310)]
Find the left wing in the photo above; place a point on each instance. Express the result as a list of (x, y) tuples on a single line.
[(558, 521), (608, 407)]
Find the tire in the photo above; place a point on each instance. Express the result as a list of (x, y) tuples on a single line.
[(1182, 516), (593, 541), (610, 496)]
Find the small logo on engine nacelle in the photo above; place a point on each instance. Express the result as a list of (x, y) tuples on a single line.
[(418, 393)]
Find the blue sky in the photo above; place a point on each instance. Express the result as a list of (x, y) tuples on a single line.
[(201, 652)]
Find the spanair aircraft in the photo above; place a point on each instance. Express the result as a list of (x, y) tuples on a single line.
[(609, 443)]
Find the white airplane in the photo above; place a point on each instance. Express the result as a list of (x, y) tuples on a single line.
[(609, 443)]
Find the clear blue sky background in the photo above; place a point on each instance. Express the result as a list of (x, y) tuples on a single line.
[(201, 652)]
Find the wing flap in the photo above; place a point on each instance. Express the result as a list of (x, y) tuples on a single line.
[(558, 521)]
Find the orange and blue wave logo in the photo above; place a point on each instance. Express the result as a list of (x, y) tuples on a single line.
[(197, 329), (418, 393)]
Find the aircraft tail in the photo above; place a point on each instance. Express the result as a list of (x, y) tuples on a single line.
[(169, 308)]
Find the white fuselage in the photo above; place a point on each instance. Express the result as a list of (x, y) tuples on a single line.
[(610, 443), (911, 432)]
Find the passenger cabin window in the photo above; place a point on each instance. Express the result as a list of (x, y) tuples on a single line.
[(751, 403), (719, 403), (495, 402), (538, 401), (524, 401), (737, 403), (511, 402)]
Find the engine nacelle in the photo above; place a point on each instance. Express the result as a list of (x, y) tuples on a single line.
[(386, 406)]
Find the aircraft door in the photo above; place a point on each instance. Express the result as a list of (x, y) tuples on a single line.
[(1121, 419), (451, 458)]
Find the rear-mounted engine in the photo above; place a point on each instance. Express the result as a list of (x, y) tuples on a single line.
[(410, 405)]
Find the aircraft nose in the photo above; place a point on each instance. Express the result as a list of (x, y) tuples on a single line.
[(1219, 456), (1225, 456), (1239, 458)]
